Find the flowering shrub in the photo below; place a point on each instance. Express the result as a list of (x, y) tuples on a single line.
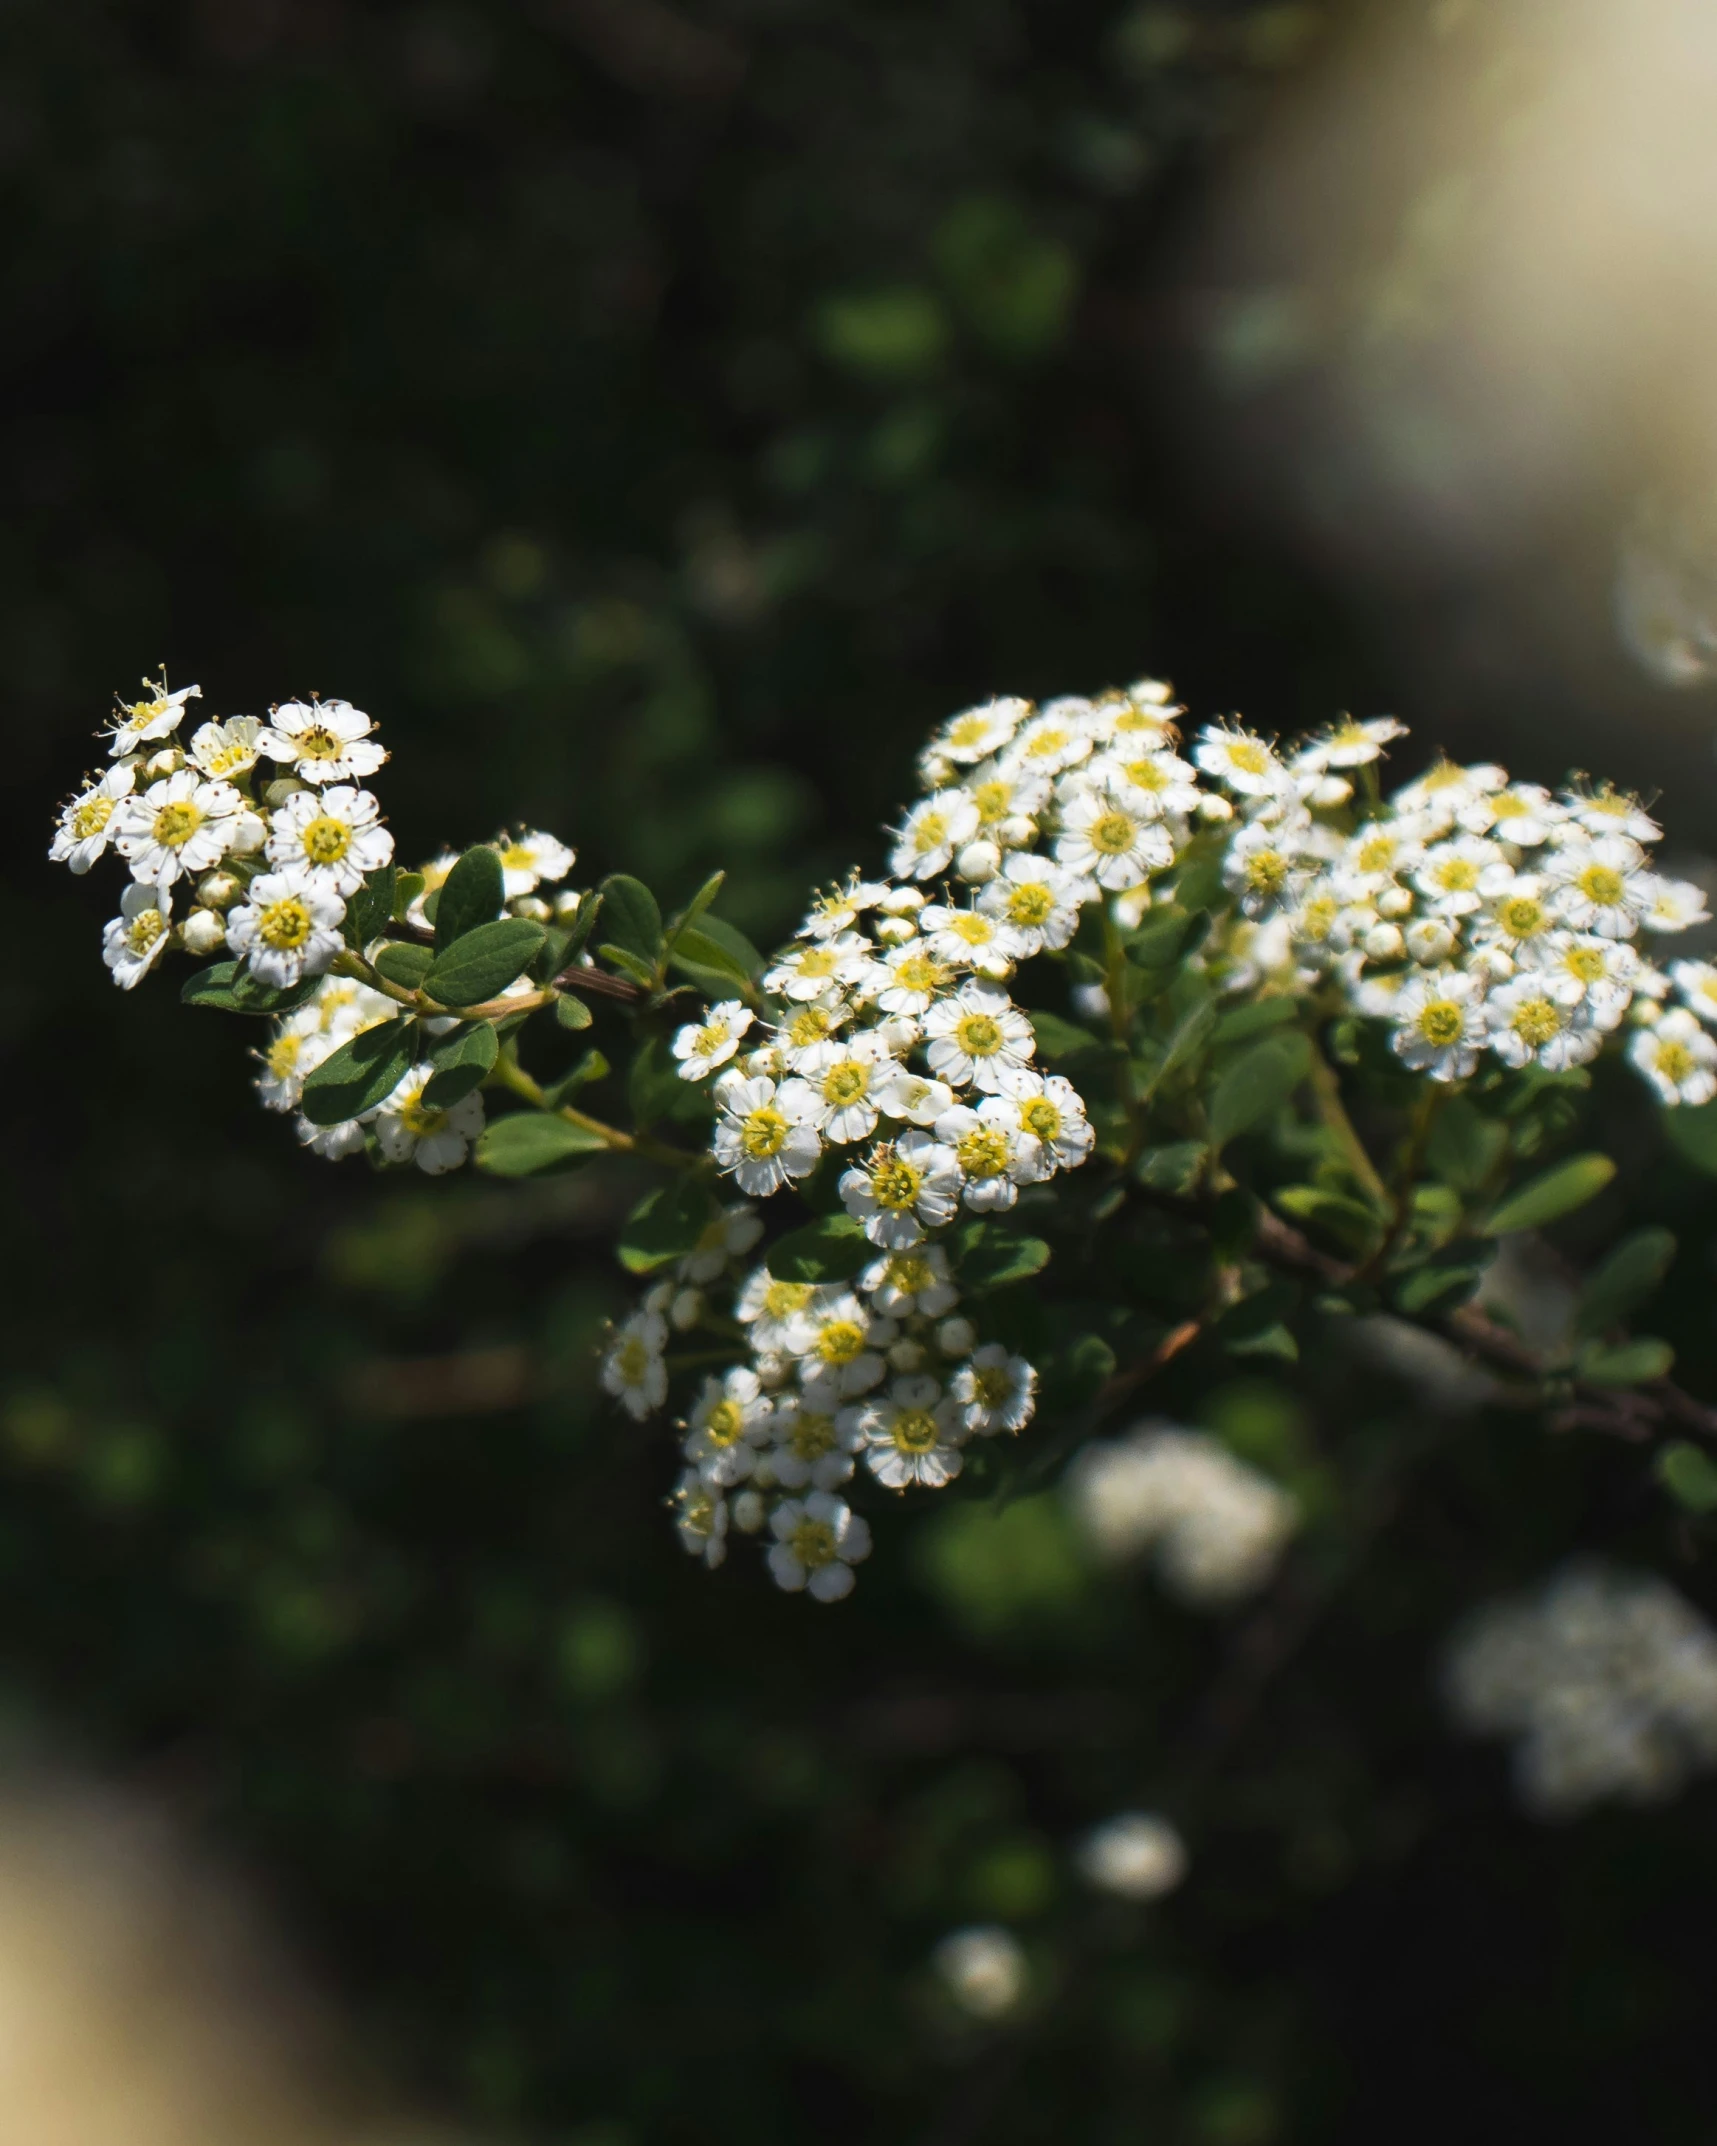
[(1219, 1041)]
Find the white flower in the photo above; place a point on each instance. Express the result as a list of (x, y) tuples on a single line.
[(411, 1130), (322, 741), (912, 1435), (908, 980), (729, 1423), (532, 859), (995, 1391), (86, 824), (1678, 1058), (772, 1310), (839, 910), (1114, 844), (811, 1449), (1676, 905), (177, 827), (813, 971), (1517, 915), (1611, 812), (1441, 1026), (1052, 1111), (332, 1142), (839, 1087), (1452, 877), (296, 1051), (917, 1281), (1523, 814), (757, 1141), (1697, 983), (144, 722), (971, 939), (329, 838), (1374, 858), (132, 944), (223, 750), (995, 1155), (983, 1970), (901, 1187), (931, 833), (979, 732), (285, 932), (632, 1369), (1602, 886), (1052, 740), (818, 1540), (839, 1338), (1036, 899), (1530, 1023), (729, 1236), (1445, 790), (1264, 866), (700, 1516), (917, 1100), (1217, 1528), (1136, 1855), (1245, 763), (701, 1046), (1008, 801), (805, 1028), (1349, 743), (978, 1038)]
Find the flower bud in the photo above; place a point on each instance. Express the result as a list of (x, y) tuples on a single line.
[(202, 931), (747, 1512), (1430, 939), (1330, 790), (899, 900), (906, 1356), (566, 905), (686, 1309), (895, 931), (219, 890), (280, 789), (977, 862), (1091, 1002), (956, 1337), (532, 906), (1394, 902), (250, 832), (1214, 808), (1383, 942), (168, 761)]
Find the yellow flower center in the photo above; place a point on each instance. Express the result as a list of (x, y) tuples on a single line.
[(910, 1274), (810, 1025), (1113, 834), (420, 1119), (968, 730), (1521, 917), (782, 1299), (1442, 1023), (1602, 884), (318, 742), (632, 1361), (992, 1384), (145, 928), (714, 1036), (326, 840), (841, 1342), (918, 972), (91, 817), (1317, 919), (1457, 875), (1506, 806), (895, 1183), (1535, 1021), (993, 800), (812, 1435), (846, 1083), (974, 929), (764, 1133), (1674, 1060), (283, 1056), (1266, 871), (1031, 904), (516, 858), (1047, 743), (144, 712), (724, 1423), (812, 1542), (930, 832), (1041, 1117), (1444, 776), (175, 824), (983, 1152), (978, 1035), (286, 924), (914, 1431), (1146, 775), (1615, 803), (816, 961), (1590, 964), (1377, 853), (1248, 756)]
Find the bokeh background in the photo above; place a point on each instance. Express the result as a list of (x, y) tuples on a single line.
[(656, 413)]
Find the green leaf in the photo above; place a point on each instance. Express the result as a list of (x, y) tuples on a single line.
[(667, 1224), (632, 919), (1465, 1146), (1160, 938), (1689, 1476), (483, 962), (530, 1141), (404, 964), (461, 1060), (831, 1250), (1624, 1281), (1242, 1023), (407, 886), (1057, 1038), (229, 987), (1257, 1325), (1191, 1033), (1444, 1281), (1552, 1194), (629, 964), (655, 1090), (1079, 1374), (591, 1067), (1256, 1086), (360, 1074), (695, 908), (737, 947), (470, 895), (709, 964), (583, 924), (1629, 1363), (1353, 1225), (992, 1255), (1692, 1132), (370, 910), (1175, 1168), (571, 1012)]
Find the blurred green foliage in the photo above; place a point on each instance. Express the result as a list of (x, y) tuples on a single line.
[(656, 419)]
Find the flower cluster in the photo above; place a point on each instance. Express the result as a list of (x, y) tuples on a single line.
[(1606, 1681), (1215, 1528)]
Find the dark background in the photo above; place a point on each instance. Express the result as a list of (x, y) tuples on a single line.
[(656, 417)]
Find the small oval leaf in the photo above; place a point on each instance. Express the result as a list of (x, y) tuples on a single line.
[(530, 1142), (1552, 1194), (361, 1074), (483, 962)]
